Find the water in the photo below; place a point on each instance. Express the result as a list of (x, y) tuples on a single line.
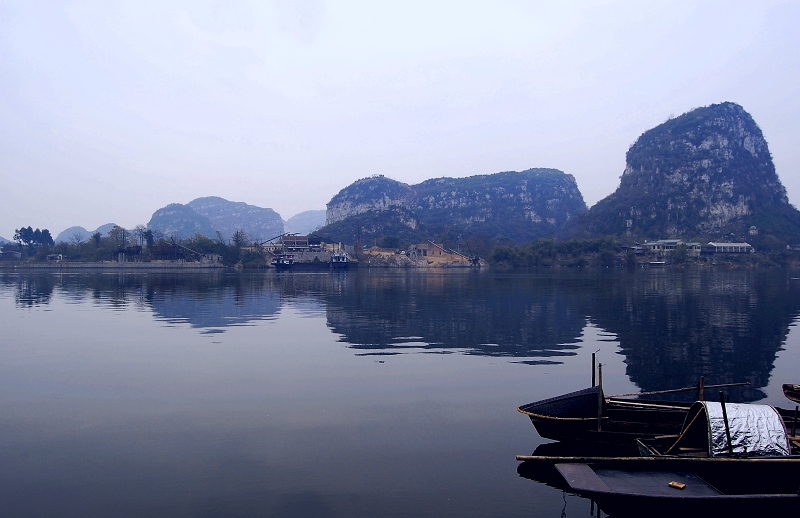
[(362, 393)]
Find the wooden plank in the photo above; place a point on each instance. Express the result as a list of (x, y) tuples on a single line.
[(655, 483), (581, 477)]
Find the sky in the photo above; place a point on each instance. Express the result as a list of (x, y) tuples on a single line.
[(111, 109)]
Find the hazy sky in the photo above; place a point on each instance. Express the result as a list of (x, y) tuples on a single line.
[(110, 110)]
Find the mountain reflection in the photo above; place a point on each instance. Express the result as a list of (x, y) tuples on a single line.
[(672, 326), (480, 314)]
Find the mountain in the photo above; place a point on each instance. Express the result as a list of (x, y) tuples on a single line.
[(229, 216), (181, 222), (104, 229), (72, 233), (4, 240), (517, 205), (305, 222), (707, 173)]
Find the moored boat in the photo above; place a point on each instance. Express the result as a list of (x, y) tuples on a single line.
[(575, 416), (738, 489), (586, 415), (792, 392), (340, 261), (283, 261), (730, 458)]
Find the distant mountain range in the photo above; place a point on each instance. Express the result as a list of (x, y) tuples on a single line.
[(215, 217), (74, 234), (707, 174), (305, 222), (519, 206), (4, 240)]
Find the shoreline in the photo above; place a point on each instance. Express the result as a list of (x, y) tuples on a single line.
[(109, 266)]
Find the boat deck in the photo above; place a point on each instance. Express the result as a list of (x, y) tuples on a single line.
[(581, 477)]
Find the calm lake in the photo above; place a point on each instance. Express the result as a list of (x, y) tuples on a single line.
[(361, 393)]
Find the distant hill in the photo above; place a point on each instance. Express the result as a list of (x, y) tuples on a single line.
[(707, 173), (212, 214), (305, 222), (4, 240), (519, 206), (70, 234), (229, 216), (180, 222)]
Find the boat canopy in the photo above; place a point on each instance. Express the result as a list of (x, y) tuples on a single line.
[(755, 430)]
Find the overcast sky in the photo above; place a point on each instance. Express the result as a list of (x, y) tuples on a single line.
[(110, 110)]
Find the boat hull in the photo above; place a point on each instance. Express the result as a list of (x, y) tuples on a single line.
[(792, 392), (625, 488), (574, 417)]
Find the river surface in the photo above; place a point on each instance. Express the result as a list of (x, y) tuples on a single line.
[(361, 393)]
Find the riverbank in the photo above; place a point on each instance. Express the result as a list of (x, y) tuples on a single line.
[(152, 265)]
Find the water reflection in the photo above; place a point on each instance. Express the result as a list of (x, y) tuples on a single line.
[(30, 290), (478, 314), (672, 327)]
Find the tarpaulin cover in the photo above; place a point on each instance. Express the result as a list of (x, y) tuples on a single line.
[(756, 430)]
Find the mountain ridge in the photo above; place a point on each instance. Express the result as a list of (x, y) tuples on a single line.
[(705, 173), (519, 205)]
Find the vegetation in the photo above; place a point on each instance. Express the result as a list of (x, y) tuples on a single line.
[(141, 245), (610, 252), (543, 253), (33, 238)]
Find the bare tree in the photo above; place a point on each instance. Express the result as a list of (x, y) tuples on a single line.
[(139, 233), (78, 239), (240, 238)]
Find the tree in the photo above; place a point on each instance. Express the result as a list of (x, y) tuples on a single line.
[(149, 238), (117, 233), (139, 231), (46, 238), (24, 236), (240, 239), (77, 239), (29, 237), (96, 238)]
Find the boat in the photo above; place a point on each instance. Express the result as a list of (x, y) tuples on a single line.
[(283, 261), (575, 417), (719, 429), (792, 392), (728, 458), (589, 415), (737, 489), (340, 261)]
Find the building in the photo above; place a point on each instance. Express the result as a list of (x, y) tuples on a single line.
[(300, 243), (662, 245), (726, 248), (426, 250), (10, 255)]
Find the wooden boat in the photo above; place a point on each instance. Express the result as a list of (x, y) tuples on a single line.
[(792, 392), (575, 416), (731, 458), (589, 415), (622, 489)]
